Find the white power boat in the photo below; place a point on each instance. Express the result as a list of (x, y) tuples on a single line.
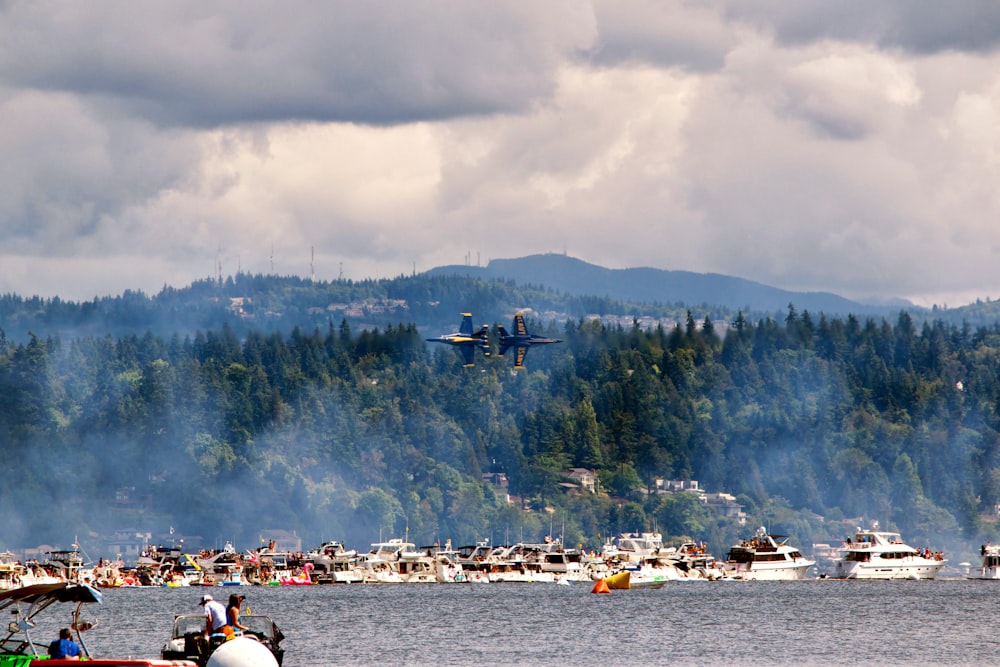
[(11, 572), (990, 569), (874, 554), (186, 641), (766, 557), (19, 641)]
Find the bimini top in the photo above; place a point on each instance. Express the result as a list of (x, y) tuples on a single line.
[(37, 598), (58, 592)]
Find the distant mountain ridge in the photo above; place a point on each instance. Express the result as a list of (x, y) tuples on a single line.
[(647, 285)]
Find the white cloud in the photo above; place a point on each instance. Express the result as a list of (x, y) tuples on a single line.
[(805, 145)]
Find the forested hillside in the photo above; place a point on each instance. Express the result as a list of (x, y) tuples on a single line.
[(258, 303), (648, 285), (810, 422)]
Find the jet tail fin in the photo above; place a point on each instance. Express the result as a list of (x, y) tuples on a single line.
[(504, 344), (483, 336)]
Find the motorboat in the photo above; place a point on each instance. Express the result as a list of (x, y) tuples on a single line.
[(335, 564), (875, 554), (548, 562), (990, 568), (275, 567), (476, 560), (687, 561), (648, 575), (564, 564), (187, 639), (221, 568), (339, 570), (381, 565), (766, 557), (65, 564), (634, 547), (448, 570), (417, 568), (329, 551), (25, 607), (397, 561), (11, 572), (380, 572)]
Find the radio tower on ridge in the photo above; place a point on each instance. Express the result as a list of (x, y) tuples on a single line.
[(312, 263)]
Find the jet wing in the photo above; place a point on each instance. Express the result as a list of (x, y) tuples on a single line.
[(522, 352), (468, 351), (519, 328), (466, 328)]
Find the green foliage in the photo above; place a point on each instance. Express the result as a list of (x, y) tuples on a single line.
[(682, 514), (345, 432)]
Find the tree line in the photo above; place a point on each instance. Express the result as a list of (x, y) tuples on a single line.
[(813, 423)]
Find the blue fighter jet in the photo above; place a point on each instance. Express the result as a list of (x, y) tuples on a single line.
[(520, 339), (466, 340)]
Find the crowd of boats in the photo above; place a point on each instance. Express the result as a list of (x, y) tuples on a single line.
[(632, 560), (869, 554)]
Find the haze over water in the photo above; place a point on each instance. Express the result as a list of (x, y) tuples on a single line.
[(814, 622)]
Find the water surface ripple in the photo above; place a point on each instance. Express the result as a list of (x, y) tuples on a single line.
[(818, 622)]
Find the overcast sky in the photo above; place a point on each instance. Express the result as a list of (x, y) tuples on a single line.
[(840, 145)]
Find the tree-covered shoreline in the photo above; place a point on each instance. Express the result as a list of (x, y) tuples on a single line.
[(810, 422)]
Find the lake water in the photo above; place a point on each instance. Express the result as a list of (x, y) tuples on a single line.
[(814, 622)]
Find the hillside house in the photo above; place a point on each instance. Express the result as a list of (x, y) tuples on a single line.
[(585, 478)]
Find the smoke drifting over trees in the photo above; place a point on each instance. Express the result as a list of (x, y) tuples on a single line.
[(344, 434)]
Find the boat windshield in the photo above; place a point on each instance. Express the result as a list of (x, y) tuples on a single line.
[(262, 626), (187, 624)]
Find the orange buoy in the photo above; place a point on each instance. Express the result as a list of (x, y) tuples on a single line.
[(601, 587)]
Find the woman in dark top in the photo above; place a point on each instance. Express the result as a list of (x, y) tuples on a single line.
[(233, 612)]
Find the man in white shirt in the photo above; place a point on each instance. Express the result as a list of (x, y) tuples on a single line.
[(215, 615)]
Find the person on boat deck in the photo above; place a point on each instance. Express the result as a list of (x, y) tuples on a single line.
[(233, 612), (64, 648), (215, 615)]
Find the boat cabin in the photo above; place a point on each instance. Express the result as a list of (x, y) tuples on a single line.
[(866, 538)]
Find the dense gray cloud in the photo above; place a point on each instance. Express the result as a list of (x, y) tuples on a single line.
[(667, 33), (209, 64), (912, 25), (814, 145)]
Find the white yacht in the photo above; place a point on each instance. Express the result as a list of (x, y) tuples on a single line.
[(635, 547), (875, 554), (766, 557), (11, 572), (335, 564), (990, 568), (688, 561), (448, 569), (382, 565)]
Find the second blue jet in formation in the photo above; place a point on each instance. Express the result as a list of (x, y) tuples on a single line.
[(467, 340)]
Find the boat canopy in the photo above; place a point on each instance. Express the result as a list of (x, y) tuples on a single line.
[(62, 591), (37, 598)]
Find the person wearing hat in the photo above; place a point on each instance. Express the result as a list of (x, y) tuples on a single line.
[(233, 612), (215, 615)]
